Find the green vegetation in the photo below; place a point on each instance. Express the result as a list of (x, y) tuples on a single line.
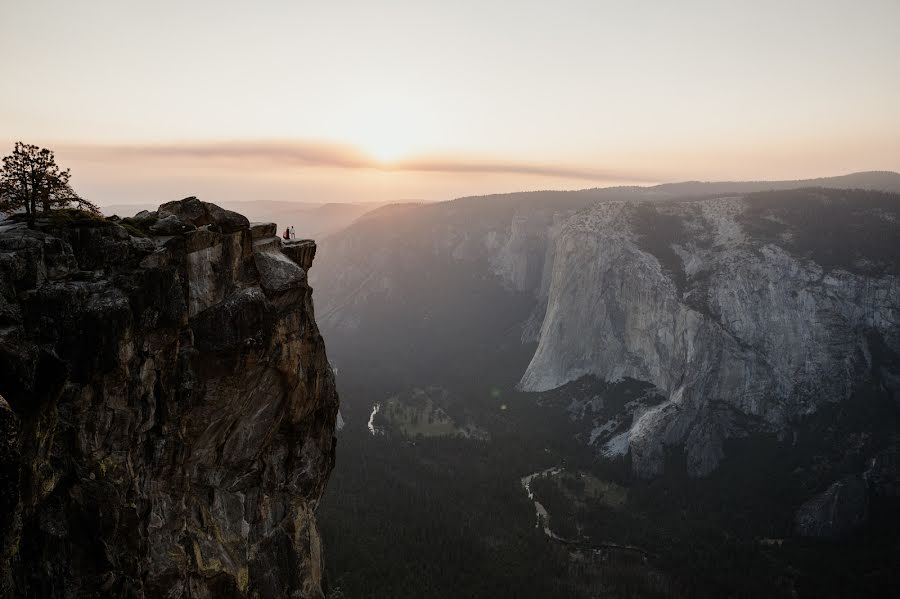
[(858, 232), (133, 229), (657, 231), (422, 413), (427, 421), (447, 517), (76, 217), (138, 227)]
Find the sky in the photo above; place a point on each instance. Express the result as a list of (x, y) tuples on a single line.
[(397, 100)]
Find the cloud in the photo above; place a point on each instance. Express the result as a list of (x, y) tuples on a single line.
[(444, 165), (309, 153), (306, 154)]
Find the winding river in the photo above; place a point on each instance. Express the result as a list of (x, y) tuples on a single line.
[(543, 520)]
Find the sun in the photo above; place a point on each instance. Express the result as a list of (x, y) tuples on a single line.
[(386, 148), (390, 127), (386, 137)]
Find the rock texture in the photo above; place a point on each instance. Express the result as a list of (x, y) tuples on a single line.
[(418, 292), (301, 251), (733, 307), (169, 412), (746, 312), (837, 511)]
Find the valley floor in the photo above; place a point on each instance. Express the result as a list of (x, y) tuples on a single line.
[(454, 517)]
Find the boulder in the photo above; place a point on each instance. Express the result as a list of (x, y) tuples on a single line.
[(283, 281), (190, 210), (263, 230), (301, 251), (197, 213), (170, 225), (226, 221)]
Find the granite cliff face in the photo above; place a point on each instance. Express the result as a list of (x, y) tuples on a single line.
[(745, 312), (382, 255), (421, 288), (167, 426)]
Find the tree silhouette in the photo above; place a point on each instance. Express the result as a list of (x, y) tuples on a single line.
[(31, 179)]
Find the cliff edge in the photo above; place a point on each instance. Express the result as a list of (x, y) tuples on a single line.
[(168, 410)]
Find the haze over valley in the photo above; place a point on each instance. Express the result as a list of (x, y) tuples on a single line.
[(381, 300), (684, 343)]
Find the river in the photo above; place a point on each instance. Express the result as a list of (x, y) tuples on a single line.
[(543, 520)]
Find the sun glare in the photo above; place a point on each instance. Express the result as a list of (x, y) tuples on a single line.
[(385, 148), (389, 127), (387, 136)]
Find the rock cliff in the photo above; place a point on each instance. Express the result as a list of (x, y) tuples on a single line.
[(746, 312), (168, 411)]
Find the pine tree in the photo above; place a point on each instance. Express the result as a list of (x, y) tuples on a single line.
[(31, 180)]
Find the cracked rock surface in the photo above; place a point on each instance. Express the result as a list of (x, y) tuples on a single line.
[(167, 413), (747, 313)]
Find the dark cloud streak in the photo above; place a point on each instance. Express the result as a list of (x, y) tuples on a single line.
[(329, 155), (525, 168)]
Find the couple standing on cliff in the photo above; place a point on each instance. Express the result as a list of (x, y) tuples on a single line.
[(289, 233)]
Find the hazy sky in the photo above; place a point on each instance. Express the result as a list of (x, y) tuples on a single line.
[(402, 99)]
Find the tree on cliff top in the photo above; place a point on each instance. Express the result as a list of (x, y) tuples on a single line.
[(30, 180)]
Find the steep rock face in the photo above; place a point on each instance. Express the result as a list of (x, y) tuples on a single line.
[(736, 308), (746, 312), (301, 251), (172, 407), (386, 255), (420, 286)]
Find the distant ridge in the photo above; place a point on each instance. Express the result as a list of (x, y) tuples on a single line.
[(870, 180), (873, 180), (888, 181)]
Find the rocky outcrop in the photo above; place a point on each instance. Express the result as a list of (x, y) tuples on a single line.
[(732, 307), (168, 423), (839, 510), (199, 214), (301, 251)]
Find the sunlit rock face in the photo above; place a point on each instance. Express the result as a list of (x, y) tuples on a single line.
[(385, 256), (746, 312), (169, 409)]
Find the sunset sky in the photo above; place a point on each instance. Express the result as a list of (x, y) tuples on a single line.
[(390, 100)]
